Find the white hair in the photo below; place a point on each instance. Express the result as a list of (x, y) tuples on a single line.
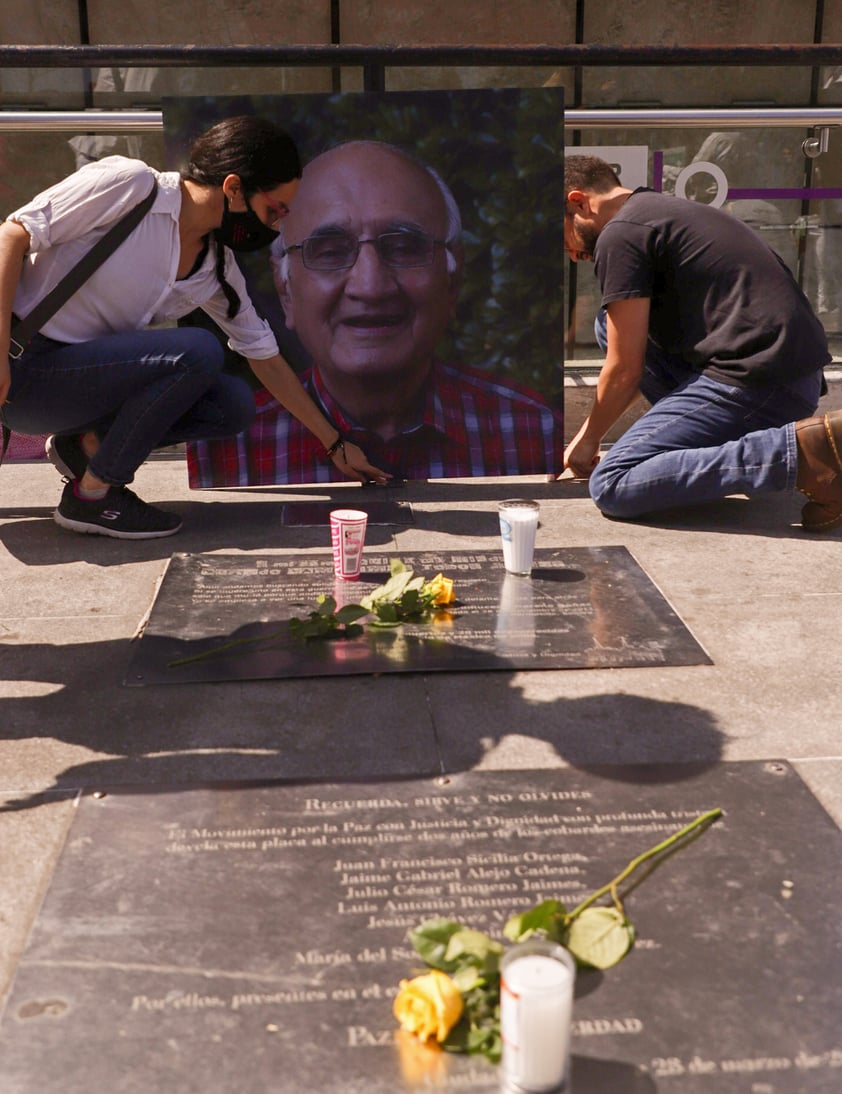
[(453, 232)]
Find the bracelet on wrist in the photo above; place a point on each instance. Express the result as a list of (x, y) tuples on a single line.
[(338, 445)]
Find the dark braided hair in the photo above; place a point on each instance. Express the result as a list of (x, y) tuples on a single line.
[(258, 151)]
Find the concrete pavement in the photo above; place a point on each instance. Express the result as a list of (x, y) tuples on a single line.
[(762, 598)]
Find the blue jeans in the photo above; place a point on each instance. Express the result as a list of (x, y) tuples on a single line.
[(137, 391), (702, 439)]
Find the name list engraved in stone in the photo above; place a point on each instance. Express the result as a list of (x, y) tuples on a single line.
[(263, 930)]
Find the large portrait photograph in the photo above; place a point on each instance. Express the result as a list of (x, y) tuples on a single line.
[(416, 286)]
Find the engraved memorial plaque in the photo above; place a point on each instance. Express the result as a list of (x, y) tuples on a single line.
[(587, 607), (252, 938)]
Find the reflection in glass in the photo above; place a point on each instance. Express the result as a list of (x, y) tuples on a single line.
[(757, 164), (514, 629)]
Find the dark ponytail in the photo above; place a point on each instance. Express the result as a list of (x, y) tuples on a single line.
[(231, 294), (259, 152)]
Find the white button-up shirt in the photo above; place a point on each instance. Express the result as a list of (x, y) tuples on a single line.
[(136, 286)]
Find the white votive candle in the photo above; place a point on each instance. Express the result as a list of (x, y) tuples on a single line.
[(536, 1008), (518, 528)]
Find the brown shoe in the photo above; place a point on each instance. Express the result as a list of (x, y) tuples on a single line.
[(819, 442)]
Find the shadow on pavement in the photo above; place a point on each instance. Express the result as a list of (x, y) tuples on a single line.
[(317, 729)]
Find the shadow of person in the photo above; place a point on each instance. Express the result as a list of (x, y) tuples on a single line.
[(269, 517), (615, 730), (239, 524), (379, 685), (773, 515), (340, 728)]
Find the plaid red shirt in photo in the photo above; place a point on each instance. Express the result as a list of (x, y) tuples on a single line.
[(472, 425)]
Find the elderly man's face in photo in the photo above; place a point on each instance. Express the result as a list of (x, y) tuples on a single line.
[(371, 308)]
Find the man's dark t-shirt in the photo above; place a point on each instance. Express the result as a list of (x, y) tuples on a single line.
[(720, 297)]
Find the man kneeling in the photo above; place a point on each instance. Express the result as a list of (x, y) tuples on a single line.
[(706, 321)]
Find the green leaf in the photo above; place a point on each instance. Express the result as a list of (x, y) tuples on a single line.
[(327, 605), (476, 1037), (493, 1047), (547, 916), (486, 1041), (467, 978), (351, 613), (377, 598), (393, 589), (403, 598), (475, 946), (599, 937), (431, 939)]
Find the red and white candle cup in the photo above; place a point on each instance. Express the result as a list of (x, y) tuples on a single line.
[(347, 536)]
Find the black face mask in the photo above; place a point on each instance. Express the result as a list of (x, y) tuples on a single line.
[(244, 231)]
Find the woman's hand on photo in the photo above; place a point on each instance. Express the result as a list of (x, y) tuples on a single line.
[(352, 462)]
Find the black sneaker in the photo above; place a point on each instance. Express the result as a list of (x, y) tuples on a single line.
[(120, 514), (67, 455)]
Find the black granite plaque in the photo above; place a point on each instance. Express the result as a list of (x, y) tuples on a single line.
[(316, 513), (586, 607), (251, 938)]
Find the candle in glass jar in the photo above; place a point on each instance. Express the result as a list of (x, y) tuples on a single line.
[(536, 1007), (518, 527)]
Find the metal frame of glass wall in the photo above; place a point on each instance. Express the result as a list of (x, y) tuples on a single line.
[(810, 128)]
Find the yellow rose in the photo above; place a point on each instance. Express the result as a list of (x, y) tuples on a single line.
[(442, 589), (429, 1005)]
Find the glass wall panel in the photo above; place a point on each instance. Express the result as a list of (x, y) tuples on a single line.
[(134, 88), (477, 76), (43, 88), (41, 22), (30, 162), (686, 22), (759, 175), (696, 86)]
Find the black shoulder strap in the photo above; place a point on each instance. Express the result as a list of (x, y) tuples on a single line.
[(23, 331)]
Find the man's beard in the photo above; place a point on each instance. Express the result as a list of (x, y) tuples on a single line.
[(587, 233)]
